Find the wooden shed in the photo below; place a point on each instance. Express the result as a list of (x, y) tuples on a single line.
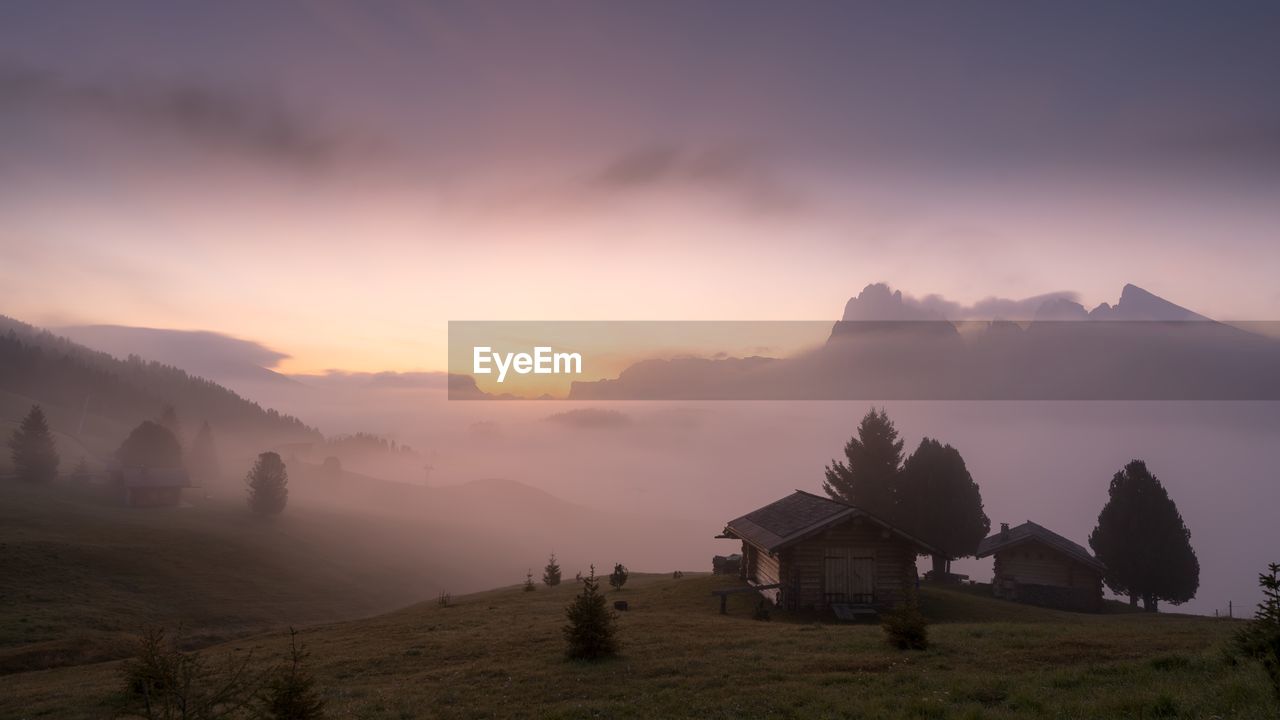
[(150, 487), (810, 552), (1038, 566)]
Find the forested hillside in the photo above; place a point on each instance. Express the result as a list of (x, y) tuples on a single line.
[(90, 393)]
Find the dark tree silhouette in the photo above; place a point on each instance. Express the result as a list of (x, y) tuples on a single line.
[(290, 692), (1260, 639), (872, 459), (528, 581), (939, 502), (169, 419), (202, 461), (618, 577), (591, 633), (150, 445), (1143, 541), (34, 454), (268, 485), (551, 573)]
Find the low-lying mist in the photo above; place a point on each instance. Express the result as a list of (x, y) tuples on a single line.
[(496, 486)]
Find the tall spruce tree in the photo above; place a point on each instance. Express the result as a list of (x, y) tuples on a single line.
[(202, 461), (939, 502), (34, 454), (268, 483), (169, 419), (869, 472), (1143, 541)]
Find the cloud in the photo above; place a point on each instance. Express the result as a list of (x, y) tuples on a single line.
[(991, 308), (208, 354), (591, 419), (385, 380), (739, 172), (255, 125)]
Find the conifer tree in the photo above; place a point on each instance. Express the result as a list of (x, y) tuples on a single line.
[(551, 573), (528, 581), (202, 461), (169, 419), (268, 483), (591, 632), (939, 502), (1143, 541), (1260, 639), (34, 454), (290, 692), (869, 471)]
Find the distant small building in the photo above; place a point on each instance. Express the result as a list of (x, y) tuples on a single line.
[(810, 552), (1037, 566), (150, 487), (726, 564)]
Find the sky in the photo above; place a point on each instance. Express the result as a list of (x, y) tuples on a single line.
[(338, 181)]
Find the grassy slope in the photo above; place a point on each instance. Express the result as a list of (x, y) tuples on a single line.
[(78, 579), (499, 653)]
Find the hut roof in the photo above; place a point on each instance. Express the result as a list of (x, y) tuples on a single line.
[(801, 515), (1029, 531)]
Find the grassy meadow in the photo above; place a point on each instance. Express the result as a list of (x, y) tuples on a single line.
[(500, 654), (80, 578)]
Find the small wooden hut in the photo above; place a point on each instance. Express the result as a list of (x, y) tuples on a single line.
[(1037, 566), (806, 551), (150, 487)]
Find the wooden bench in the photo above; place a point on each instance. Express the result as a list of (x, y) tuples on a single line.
[(726, 592)]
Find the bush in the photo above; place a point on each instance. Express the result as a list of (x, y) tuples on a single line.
[(445, 599), (162, 683), (905, 627), (618, 577), (591, 632), (1260, 639)]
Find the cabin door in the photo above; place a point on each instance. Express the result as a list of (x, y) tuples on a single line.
[(862, 579), (848, 577)]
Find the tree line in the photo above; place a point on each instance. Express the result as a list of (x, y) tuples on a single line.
[(152, 444), (1140, 535)]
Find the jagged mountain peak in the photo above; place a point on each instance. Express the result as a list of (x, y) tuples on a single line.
[(1138, 304), (879, 302)]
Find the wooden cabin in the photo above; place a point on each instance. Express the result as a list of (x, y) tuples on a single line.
[(806, 551), (1037, 566), (150, 487)]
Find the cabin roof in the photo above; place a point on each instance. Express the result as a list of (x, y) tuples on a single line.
[(1028, 531), (798, 516)]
